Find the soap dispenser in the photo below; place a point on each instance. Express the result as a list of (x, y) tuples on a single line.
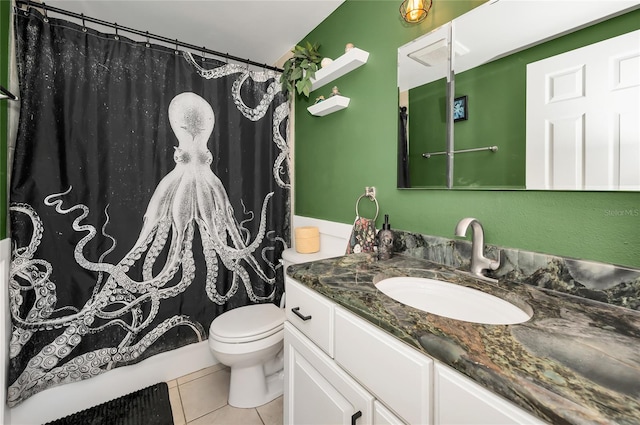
[(386, 239)]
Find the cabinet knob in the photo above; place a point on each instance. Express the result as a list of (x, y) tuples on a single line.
[(355, 417), (296, 311)]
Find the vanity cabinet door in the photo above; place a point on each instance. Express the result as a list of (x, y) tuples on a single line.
[(384, 416), (317, 392), (460, 401), (395, 373)]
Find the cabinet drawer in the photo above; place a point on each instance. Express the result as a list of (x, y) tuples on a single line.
[(396, 374), (310, 313)]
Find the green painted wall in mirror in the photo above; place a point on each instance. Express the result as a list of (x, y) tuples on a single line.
[(427, 122)]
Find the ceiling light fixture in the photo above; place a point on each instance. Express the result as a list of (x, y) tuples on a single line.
[(414, 11)]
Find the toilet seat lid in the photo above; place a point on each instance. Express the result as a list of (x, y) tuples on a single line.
[(248, 323)]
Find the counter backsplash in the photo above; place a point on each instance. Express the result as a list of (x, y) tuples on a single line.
[(587, 279)]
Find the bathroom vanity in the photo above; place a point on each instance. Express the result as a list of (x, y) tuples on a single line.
[(355, 356)]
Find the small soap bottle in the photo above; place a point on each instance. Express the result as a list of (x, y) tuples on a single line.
[(385, 240)]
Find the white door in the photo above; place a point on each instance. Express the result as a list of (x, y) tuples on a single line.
[(317, 392), (583, 118)]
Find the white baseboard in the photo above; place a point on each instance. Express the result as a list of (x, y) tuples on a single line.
[(64, 400)]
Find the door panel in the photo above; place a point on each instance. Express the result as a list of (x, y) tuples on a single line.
[(583, 130)]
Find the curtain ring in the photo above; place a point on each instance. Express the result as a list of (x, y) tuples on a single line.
[(204, 53), (84, 26), (116, 37), (176, 51), (44, 9), (28, 11), (147, 44)]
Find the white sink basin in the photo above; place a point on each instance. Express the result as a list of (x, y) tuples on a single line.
[(452, 301)]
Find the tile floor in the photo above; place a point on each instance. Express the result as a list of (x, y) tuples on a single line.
[(200, 398)]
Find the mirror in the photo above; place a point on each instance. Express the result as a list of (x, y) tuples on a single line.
[(493, 45), (424, 71)]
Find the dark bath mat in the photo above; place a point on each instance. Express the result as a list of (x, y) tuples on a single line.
[(148, 406)]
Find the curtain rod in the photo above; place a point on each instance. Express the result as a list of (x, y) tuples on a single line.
[(146, 34)]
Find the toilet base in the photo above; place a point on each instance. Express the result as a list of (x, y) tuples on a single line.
[(265, 389), (256, 369)]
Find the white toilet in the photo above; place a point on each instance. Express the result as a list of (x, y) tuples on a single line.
[(250, 340)]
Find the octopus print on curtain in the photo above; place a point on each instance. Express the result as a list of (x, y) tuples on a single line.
[(149, 194)]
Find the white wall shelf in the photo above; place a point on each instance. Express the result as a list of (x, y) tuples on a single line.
[(332, 104), (351, 60)]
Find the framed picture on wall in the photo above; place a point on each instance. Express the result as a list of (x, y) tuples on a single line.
[(460, 111)]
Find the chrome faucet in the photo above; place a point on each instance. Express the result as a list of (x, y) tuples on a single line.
[(478, 261)]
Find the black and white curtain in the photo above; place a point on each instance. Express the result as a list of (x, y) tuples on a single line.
[(149, 194)]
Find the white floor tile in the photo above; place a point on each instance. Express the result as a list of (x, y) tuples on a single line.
[(202, 398), (176, 406), (229, 415), (204, 395), (271, 413)]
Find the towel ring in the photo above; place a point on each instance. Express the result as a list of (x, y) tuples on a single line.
[(373, 199)]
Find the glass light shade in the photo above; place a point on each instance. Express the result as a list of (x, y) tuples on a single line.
[(414, 11)]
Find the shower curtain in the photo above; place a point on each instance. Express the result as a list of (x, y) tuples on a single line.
[(149, 194)]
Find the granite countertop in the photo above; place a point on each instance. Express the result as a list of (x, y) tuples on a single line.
[(576, 361)]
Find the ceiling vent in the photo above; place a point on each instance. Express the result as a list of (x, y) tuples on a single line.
[(436, 53)]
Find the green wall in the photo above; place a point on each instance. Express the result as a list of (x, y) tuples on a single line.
[(336, 156), (5, 8)]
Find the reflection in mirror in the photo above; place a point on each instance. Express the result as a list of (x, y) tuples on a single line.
[(583, 110), (423, 69), (495, 83)]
